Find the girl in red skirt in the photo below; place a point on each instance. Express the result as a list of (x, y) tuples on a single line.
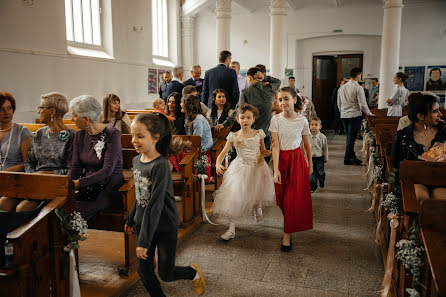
[(291, 171)]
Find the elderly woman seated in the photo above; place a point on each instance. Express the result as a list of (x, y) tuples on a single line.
[(96, 167), (52, 145), (424, 130), (14, 144)]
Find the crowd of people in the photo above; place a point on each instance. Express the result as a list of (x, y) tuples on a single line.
[(280, 150)]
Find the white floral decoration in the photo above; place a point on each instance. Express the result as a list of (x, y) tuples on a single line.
[(142, 188), (391, 203), (99, 146)]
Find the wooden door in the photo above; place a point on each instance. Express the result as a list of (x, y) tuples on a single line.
[(324, 81)]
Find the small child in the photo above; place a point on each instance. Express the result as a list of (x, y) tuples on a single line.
[(160, 106), (319, 151), (154, 215), (248, 183)]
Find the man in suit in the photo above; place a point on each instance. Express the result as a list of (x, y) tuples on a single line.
[(221, 77), (176, 85), (163, 85), (196, 79)]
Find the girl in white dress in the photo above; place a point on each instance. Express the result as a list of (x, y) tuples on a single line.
[(399, 96), (248, 182)]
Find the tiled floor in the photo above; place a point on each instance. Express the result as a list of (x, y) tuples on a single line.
[(337, 258)]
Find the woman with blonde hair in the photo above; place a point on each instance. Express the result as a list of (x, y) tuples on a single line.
[(113, 116)]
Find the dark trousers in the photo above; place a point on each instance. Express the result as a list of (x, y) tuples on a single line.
[(318, 173), (337, 123), (351, 126), (167, 247), (267, 141)]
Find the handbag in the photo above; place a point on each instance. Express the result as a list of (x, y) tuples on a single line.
[(91, 192)]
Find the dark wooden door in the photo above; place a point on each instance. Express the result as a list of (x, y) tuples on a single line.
[(324, 81)]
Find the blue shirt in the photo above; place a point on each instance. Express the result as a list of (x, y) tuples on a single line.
[(200, 126)]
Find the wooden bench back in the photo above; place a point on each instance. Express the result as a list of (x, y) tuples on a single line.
[(34, 185), (419, 172), (34, 127)]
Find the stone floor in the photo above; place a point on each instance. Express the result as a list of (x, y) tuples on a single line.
[(337, 258)]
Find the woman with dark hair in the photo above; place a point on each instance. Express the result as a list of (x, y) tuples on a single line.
[(113, 116), (174, 110), (399, 96), (220, 108), (426, 129)]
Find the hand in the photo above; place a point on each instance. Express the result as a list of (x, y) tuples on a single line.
[(277, 177), (141, 253), (266, 153), (219, 127), (372, 115), (76, 184), (129, 230), (220, 169), (310, 169), (388, 101), (441, 158)]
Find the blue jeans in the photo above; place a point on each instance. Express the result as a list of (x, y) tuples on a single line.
[(318, 173), (351, 127)]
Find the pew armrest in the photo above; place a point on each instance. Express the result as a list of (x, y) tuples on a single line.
[(189, 157), (218, 146), (127, 186), (28, 226)]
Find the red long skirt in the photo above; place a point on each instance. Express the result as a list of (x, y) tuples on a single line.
[(293, 196)]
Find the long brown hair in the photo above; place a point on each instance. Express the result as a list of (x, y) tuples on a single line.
[(106, 108)]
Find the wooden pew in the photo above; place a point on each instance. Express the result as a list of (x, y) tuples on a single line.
[(219, 138), (34, 127), (40, 265), (433, 230), (415, 172)]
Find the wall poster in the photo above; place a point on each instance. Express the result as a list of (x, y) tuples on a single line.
[(152, 81), (436, 78), (415, 82)]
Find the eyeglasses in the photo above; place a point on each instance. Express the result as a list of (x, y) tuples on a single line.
[(43, 107), (5, 109)]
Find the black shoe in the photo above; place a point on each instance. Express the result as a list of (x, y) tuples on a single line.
[(286, 248), (321, 185), (348, 162), (356, 161)]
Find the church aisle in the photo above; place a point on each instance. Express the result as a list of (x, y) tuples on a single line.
[(337, 258)]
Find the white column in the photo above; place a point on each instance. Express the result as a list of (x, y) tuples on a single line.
[(277, 39), (223, 11), (390, 49), (187, 31)]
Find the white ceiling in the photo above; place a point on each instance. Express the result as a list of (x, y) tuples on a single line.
[(250, 6)]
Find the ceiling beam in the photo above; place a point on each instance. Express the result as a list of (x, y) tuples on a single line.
[(243, 5), (338, 3), (192, 7)]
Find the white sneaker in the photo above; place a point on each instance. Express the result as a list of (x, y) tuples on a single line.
[(258, 214), (228, 235)]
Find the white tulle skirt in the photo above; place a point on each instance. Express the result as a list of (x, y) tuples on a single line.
[(244, 187)]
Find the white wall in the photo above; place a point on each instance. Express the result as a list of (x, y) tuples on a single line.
[(309, 31), (34, 57)]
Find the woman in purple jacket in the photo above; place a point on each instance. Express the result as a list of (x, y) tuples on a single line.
[(96, 167)]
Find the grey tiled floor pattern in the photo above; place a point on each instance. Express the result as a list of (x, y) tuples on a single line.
[(337, 258)]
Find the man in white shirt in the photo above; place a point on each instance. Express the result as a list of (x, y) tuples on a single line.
[(352, 103), (242, 80)]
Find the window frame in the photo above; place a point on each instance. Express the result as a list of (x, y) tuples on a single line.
[(85, 45), (167, 57)]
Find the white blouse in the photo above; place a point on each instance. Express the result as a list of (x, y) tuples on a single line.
[(289, 131)]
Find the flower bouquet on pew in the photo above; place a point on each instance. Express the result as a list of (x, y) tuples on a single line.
[(437, 153)]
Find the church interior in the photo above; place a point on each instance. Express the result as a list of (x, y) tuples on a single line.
[(377, 216)]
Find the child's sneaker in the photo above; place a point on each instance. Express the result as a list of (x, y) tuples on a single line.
[(314, 191), (199, 284), (258, 214), (227, 236)]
